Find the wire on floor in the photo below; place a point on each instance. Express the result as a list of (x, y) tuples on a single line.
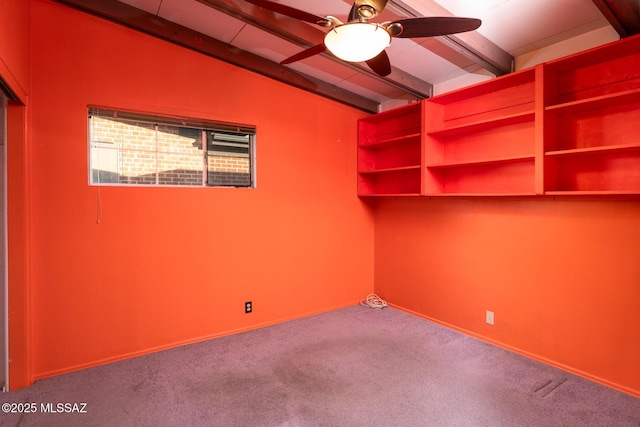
[(373, 301)]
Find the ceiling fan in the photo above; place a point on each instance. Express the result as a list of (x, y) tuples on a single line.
[(359, 40)]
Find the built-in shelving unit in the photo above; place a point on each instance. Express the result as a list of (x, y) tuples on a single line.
[(478, 135), (592, 121), (390, 152), (569, 126)]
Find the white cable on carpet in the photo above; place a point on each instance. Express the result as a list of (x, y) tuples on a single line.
[(373, 301)]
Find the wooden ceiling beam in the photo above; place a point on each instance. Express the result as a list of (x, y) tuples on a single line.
[(623, 15)]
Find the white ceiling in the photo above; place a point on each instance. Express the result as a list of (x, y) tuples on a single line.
[(517, 27)]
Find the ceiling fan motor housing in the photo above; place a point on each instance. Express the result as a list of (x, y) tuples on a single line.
[(367, 11)]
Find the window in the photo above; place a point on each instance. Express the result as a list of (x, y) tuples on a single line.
[(137, 149)]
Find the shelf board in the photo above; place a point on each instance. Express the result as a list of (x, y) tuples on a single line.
[(484, 162), (597, 102), (590, 192), (594, 150), (390, 170), (487, 194), (517, 78), (402, 139), (481, 125), (389, 195)]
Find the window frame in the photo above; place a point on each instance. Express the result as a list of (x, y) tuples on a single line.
[(204, 126)]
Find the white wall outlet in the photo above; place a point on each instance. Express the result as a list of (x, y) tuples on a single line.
[(489, 317)]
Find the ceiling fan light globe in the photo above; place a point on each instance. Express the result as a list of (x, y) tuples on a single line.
[(357, 41)]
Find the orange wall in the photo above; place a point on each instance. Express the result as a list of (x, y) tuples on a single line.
[(14, 46), (167, 266), (561, 276)]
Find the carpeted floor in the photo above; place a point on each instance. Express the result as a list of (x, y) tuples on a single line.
[(351, 367)]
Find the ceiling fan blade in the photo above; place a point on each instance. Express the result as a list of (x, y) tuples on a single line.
[(431, 26), (314, 50), (292, 12), (380, 64)]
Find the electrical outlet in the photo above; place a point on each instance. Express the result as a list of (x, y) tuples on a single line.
[(489, 317), (248, 307)]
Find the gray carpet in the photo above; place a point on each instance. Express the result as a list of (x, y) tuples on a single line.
[(351, 367)]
